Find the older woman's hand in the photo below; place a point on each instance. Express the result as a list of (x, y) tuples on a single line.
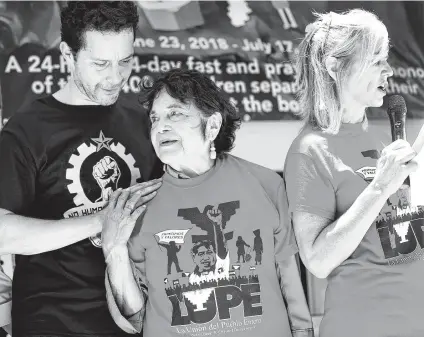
[(121, 213)]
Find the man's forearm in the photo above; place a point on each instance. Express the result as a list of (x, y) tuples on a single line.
[(27, 236), (129, 298)]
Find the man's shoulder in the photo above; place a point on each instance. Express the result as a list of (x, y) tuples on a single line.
[(28, 116), (131, 105), (132, 113)]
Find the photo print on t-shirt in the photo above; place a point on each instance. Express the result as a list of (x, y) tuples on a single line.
[(400, 226), (216, 280)]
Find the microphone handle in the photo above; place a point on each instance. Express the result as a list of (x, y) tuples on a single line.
[(399, 132)]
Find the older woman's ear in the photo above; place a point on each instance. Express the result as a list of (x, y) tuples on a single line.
[(332, 65), (213, 125)]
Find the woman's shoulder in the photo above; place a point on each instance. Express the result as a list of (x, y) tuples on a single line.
[(269, 179), (253, 168), (310, 142)]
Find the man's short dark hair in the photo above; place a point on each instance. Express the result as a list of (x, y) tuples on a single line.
[(203, 243), (192, 86), (103, 16)]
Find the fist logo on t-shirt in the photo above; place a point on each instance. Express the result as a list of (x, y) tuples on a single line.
[(107, 174)]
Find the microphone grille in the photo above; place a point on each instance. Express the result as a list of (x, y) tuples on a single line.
[(396, 105)]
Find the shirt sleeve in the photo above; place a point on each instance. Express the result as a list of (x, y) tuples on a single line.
[(5, 298), (309, 186), (284, 239), (157, 170), (17, 173), (134, 323), (288, 271)]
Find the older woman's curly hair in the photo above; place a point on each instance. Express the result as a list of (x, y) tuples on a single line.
[(103, 16), (192, 86)]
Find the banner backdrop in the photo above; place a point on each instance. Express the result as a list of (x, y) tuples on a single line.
[(245, 46)]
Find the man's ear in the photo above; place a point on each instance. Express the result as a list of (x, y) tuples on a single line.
[(68, 55), (332, 65)]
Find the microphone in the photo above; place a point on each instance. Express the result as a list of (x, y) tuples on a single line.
[(397, 115)]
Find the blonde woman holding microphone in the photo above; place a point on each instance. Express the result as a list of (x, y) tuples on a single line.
[(345, 187)]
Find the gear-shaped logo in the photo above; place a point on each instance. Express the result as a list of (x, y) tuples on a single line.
[(96, 172)]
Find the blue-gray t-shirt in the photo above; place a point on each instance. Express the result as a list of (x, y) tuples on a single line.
[(379, 289)]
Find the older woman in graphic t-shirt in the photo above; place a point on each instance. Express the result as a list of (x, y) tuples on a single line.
[(181, 273), (345, 185)]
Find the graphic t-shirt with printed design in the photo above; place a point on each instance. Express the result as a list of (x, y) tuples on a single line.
[(61, 161), (378, 291), (197, 286)]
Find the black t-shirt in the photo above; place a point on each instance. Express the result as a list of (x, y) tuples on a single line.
[(51, 159)]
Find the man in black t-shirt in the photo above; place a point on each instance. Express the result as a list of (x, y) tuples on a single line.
[(61, 157)]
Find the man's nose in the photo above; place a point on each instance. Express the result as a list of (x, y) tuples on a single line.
[(114, 76)]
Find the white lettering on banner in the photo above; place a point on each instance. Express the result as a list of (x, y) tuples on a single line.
[(285, 46), (250, 104), (278, 69), (46, 64), (205, 43), (157, 65), (273, 87), (408, 88), (255, 70), (144, 42), (252, 99), (39, 87), (285, 105), (230, 87), (406, 85), (408, 72), (169, 42), (208, 43), (61, 83), (12, 65), (206, 67), (257, 45), (243, 67)]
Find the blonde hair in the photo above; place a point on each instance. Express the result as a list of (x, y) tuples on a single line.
[(350, 37)]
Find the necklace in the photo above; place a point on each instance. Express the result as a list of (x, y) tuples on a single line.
[(177, 174)]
